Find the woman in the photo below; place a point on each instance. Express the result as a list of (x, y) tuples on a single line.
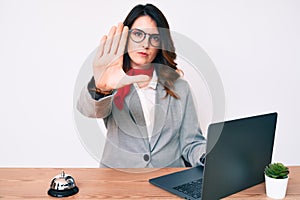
[(136, 88)]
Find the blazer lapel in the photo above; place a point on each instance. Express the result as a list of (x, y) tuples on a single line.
[(131, 118), (133, 103), (161, 110)]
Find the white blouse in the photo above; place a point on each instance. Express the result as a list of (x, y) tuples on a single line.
[(147, 97)]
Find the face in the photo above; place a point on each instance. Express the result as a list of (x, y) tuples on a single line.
[(142, 52)]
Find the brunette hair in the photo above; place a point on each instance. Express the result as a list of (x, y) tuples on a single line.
[(166, 55)]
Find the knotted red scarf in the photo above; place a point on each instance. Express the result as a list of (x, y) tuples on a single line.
[(123, 92)]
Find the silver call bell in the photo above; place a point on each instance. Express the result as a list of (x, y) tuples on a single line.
[(62, 185)]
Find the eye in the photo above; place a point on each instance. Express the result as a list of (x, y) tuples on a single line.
[(156, 38), (138, 33)]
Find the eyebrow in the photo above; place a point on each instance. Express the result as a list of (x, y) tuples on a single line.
[(146, 31)]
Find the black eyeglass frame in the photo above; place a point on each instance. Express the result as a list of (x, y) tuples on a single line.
[(145, 34)]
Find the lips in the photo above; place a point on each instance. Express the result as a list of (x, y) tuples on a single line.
[(142, 53)]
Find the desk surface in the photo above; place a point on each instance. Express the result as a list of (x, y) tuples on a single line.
[(99, 183)]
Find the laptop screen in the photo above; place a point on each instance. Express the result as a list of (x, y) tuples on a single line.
[(237, 153)]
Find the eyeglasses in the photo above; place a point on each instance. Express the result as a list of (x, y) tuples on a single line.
[(138, 36)]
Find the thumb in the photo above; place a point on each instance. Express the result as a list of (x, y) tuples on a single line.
[(127, 80)]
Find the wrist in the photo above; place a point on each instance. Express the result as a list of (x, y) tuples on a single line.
[(104, 92), (95, 92)]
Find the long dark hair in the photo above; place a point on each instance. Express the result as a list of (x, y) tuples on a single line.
[(166, 55)]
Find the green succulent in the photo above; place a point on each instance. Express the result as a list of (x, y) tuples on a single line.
[(277, 171)]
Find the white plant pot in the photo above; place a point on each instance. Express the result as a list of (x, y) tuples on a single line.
[(276, 188)]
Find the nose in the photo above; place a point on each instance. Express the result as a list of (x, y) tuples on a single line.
[(146, 42)]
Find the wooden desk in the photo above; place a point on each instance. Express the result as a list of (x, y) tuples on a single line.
[(97, 183)]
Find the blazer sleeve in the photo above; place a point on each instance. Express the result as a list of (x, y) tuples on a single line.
[(92, 104), (192, 142)]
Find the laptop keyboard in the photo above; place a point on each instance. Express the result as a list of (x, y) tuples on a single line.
[(192, 189)]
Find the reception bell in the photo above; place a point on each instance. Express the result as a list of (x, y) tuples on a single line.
[(62, 185)]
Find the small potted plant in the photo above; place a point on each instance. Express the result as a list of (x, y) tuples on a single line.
[(276, 178)]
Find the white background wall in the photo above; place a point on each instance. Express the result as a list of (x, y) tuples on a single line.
[(254, 44)]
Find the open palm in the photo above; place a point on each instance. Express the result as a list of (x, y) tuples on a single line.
[(108, 63)]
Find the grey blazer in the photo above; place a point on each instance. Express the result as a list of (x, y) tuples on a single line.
[(176, 132)]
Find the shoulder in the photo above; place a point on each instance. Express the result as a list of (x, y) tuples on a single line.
[(181, 85)]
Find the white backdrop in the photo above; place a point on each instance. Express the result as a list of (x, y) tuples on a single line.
[(254, 44)]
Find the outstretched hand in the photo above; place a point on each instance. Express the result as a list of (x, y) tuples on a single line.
[(108, 63)]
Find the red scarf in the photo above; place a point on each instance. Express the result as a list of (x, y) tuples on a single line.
[(123, 92)]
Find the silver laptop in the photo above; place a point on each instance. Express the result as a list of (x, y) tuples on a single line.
[(237, 153)]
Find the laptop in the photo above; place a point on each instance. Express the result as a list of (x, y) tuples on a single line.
[(237, 153)]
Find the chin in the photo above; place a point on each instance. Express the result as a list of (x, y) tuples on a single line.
[(140, 62)]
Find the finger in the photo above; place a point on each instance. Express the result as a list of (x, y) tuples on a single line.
[(123, 41), (127, 80), (116, 39), (109, 39), (100, 49)]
